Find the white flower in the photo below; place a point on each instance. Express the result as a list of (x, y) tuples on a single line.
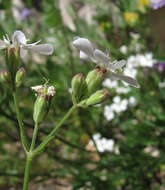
[(103, 144), (89, 53), (123, 49), (50, 91), (108, 113), (143, 60), (19, 40), (109, 83), (38, 88), (119, 105), (122, 90), (132, 101), (116, 99), (44, 90)]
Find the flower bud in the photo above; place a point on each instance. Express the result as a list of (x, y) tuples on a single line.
[(42, 104), (5, 77), (98, 97), (78, 87), (20, 77), (94, 80), (12, 63)]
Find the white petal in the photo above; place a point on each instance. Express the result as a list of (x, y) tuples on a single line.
[(45, 49), (18, 37), (23, 52), (101, 57), (2, 44), (126, 79), (84, 56), (84, 45), (118, 65)]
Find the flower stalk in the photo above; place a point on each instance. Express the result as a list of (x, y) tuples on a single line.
[(20, 122), (41, 147)]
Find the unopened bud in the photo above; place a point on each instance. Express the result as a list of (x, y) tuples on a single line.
[(78, 87), (12, 61), (98, 97), (5, 77), (20, 77), (94, 80), (40, 109), (43, 102)]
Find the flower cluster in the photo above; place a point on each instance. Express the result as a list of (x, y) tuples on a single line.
[(103, 144), (118, 106)]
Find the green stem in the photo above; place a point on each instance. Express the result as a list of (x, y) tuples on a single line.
[(21, 126), (51, 135), (27, 172), (29, 158), (34, 137)]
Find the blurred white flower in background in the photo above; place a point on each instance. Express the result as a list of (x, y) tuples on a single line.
[(141, 60), (132, 101), (117, 106), (123, 49), (103, 144), (108, 113)]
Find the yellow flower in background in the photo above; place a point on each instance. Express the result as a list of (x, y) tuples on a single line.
[(104, 25), (131, 17), (142, 4)]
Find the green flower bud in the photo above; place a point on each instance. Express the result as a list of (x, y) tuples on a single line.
[(78, 87), (41, 109), (94, 80), (98, 97), (43, 102), (20, 77), (12, 62), (5, 77)]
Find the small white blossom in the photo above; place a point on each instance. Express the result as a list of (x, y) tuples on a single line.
[(89, 53), (122, 90), (44, 90), (132, 101), (108, 113), (38, 88), (123, 49), (116, 99), (103, 144), (51, 91), (109, 83), (19, 40)]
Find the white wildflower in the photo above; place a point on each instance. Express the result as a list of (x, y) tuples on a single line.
[(108, 113), (122, 90), (103, 144), (44, 90), (132, 101), (123, 49), (89, 53), (51, 91), (19, 40), (109, 83)]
